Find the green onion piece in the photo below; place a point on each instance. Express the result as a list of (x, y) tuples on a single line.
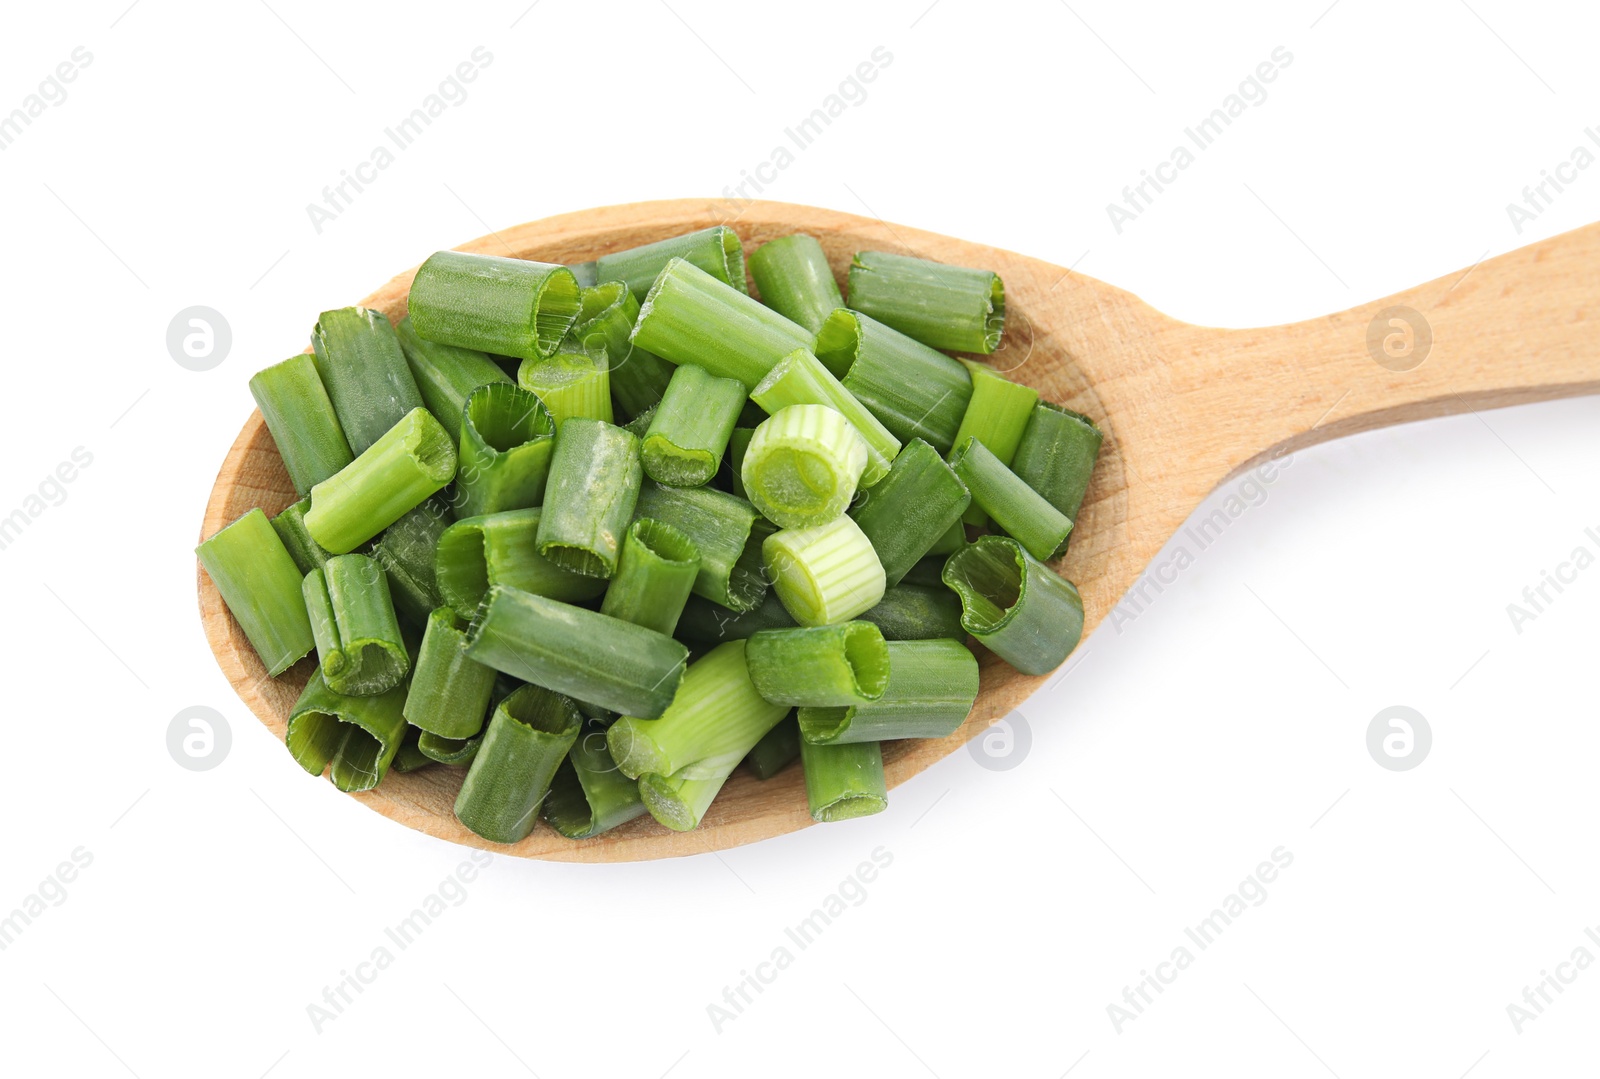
[(778, 748), (691, 317), (689, 431), (704, 622), (592, 657), (1014, 605), (738, 445), (572, 383), (291, 528), (589, 795), (911, 612), (456, 752), (477, 553), (352, 618), (1056, 455), (412, 460), (261, 586), (825, 574), (843, 664), (800, 379), (844, 781), (1017, 508), (715, 719), (407, 551), (716, 251), (916, 391), (364, 371), (932, 688), (446, 375), (587, 273), (727, 533), (507, 436), (359, 736), (527, 739), (802, 466), (952, 541), (639, 426), (638, 378), (594, 484), (677, 802), (410, 757), (509, 307), (302, 420), (449, 692), (942, 306), (927, 572), (655, 573), (795, 280), (911, 509), (996, 415)]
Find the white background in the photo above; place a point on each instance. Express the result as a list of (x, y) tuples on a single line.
[(1228, 719)]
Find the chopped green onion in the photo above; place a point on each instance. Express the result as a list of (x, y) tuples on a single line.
[(953, 540), (800, 379), (506, 439), (410, 462), (689, 431), (449, 692), (364, 371), (446, 375), (407, 551), (911, 509), (589, 795), (927, 572), (844, 781), (359, 736), (825, 574), (677, 802), (527, 739), (932, 688), (738, 445), (795, 280), (302, 420), (1015, 507), (691, 317), (996, 415), (942, 306), (508, 307), (587, 273), (802, 466), (477, 553), (291, 528), (727, 533), (352, 618), (456, 752), (1056, 455), (410, 758), (592, 657), (705, 622), (594, 483), (261, 586), (639, 426), (574, 382), (716, 250), (655, 573), (778, 748), (638, 378), (819, 666), (916, 391), (1014, 605), (912, 612)]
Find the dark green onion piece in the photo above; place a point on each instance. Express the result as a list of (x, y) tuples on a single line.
[(910, 612), (724, 529), (527, 739), (1056, 455), (800, 379), (364, 371), (715, 250), (261, 586), (655, 574), (506, 440), (952, 541), (795, 280), (738, 444), (456, 752), (802, 466), (410, 758), (589, 795), (825, 574), (359, 736), (844, 781), (449, 692), (508, 307), (594, 484), (1017, 508), (927, 572), (446, 375), (574, 382), (501, 549), (359, 646), (910, 509), (638, 378), (412, 460), (778, 748), (916, 391), (932, 688), (705, 622), (819, 666), (586, 272), (1015, 606), (689, 431), (942, 306), (592, 657), (639, 426), (996, 415), (302, 420), (291, 528), (407, 551)]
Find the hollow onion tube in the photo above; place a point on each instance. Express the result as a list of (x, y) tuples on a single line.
[(526, 740), (361, 365), (911, 612), (407, 550), (655, 573), (800, 379), (1014, 605), (573, 382), (589, 795), (506, 439), (449, 691), (509, 307), (942, 306), (802, 466), (726, 531), (1056, 455), (715, 719), (592, 657), (359, 736), (691, 317), (689, 432), (932, 687), (359, 648), (738, 444), (476, 553), (705, 622), (1021, 511), (843, 664), (261, 586), (304, 426), (795, 280), (594, 484), (996, 415), (605, 320), (844, 781), (446, 375), (410, 757), (910, 509), (456, 752), (291, 528), (412, 460), (916, 391), (677, 802), (715, 250), (825, 574), (778, 748)]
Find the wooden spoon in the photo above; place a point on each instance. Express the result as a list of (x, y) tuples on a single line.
[(1183, 408)]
